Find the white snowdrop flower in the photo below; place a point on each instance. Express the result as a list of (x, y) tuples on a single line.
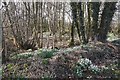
[(113, 69), (104, 67), (93, 66)]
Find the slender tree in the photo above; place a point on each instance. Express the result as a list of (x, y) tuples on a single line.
[(74, 8), (1, 37), (95, 15), (89, 21), (82, 27)]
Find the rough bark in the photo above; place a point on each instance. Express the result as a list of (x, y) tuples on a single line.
[(2, 55), (82, 27), (75, 17), (95, 14), (107, 15)]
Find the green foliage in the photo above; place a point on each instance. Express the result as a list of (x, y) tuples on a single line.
[(117, 72), (10, 66), (47, 53), (45, 61), (111, 37), (22, 56), (44, 53), (95, 69), (84, 65), (78, 71)]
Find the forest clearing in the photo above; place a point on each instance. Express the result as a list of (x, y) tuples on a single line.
[(60, 40)]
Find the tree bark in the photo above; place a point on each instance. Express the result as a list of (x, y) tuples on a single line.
[(82, 27), (106, 19), (2, 55), (95, 14), (72, 34), (89, 21), (75, 18)]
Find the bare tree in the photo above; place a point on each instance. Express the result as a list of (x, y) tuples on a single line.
[(1, 36), (82, 26), (95, 7), (107, 15)]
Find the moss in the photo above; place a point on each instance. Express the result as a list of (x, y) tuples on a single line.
[(45, 61)]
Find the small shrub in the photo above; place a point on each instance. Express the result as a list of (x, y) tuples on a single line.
[(83, 65), (10, 67), (22, 56), (45, 61), (84, 68), (47, 53)]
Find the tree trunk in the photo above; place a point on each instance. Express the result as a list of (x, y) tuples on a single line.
[(2, 55), (89, 21), (106, 19), (95, 15), (82, 27), (41, 27), (74, 15), (72, 34), (63, 18)]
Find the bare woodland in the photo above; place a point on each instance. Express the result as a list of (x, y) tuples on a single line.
[(61, 34)]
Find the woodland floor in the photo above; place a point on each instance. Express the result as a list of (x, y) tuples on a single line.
[(60, 63)]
